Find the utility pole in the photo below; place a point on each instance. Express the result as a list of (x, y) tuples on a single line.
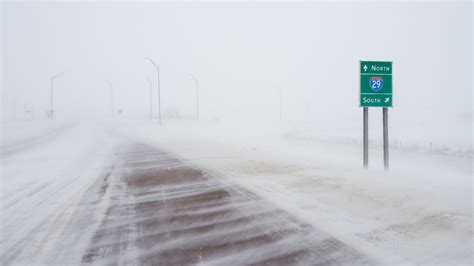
[(151, 97), (51, 93), (111, 97), (197, 95), (159, 93)]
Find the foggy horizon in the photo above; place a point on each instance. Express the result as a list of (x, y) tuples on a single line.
[(241, 53)]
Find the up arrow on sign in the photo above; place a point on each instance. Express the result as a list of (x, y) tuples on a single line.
[(365, 67)]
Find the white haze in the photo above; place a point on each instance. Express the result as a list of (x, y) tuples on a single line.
[(243, 54)]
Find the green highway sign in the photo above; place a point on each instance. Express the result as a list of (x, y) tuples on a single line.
[(375, 84)]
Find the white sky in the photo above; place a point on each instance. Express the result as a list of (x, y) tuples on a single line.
[(241, 54)]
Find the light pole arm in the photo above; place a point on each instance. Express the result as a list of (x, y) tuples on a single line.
[(195, 80), (59, 74), (110, 84), (51, 90), (159, 93), (153, 62)]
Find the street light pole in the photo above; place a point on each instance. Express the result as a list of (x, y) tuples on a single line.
[(197, 95), (111, 96), (51, 93), (159, 93), (51, 101), (151, 97), (280, 104)]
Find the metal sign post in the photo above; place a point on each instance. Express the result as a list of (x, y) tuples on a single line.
[(366, 137), (385, 138), (375, 91)]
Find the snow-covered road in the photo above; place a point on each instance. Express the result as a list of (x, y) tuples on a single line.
[(100, 199), (163, 211), (79, 193)]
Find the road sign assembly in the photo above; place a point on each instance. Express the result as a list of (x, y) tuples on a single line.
[(375, 91)]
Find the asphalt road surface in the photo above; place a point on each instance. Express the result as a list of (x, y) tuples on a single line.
[(152, 208)]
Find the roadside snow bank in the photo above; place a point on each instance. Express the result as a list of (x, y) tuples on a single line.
[(40, 187)]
